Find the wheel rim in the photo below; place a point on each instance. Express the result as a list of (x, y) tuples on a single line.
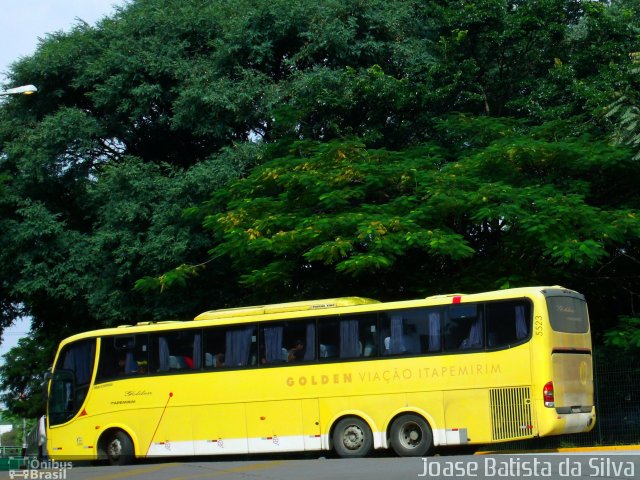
[(410, 435), (353, 437), (115, 448)]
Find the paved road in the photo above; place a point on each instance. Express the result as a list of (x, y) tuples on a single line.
[(555, 466)]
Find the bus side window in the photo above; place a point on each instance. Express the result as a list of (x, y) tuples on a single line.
[(214, 340), (348, 337), (122, 356), (411, 332), (178, 350), (508, 323), (293, 341), (464, 327), (235, 346), (328, 338), (241, 344), (300, 341)]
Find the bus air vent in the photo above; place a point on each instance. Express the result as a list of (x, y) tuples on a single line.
[(511, 413)]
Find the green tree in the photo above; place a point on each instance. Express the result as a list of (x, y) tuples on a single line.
[(625, 110), (13, 438), (521, 209), (157, 108), (24, 376)]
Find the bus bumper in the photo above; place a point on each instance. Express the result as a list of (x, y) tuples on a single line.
[(554, 423)]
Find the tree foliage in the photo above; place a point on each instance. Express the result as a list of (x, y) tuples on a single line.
[(522, 209), (625, 110), (296, 148), (23, 376)]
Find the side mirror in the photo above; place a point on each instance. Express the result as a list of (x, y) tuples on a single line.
[(62, 393), (46, 377)]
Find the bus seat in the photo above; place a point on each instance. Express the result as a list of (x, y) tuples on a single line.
[(173, 362), (387, 346), (188, 362), (369, 349), (468, 343), (209, 360), (411, 343), (327, 351), (181, 362), (130, 366)]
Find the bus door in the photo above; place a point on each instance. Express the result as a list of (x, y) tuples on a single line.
[(68, 391)]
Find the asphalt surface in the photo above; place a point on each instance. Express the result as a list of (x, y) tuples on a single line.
[(600, 463)]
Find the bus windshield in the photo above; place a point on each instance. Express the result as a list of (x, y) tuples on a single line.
[(568, 314), (70, 381)]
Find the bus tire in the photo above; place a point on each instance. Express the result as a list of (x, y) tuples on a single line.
[(119, 448), (352, 438), (411, 436)]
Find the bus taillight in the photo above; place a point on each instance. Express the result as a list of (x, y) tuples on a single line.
[(547, 394)]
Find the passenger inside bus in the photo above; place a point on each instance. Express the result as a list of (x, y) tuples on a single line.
[(296, 354), (127, 364)]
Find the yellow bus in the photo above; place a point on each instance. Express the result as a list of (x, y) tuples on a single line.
[(348, 374)]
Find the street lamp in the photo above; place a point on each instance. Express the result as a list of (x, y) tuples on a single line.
[(23, 90)]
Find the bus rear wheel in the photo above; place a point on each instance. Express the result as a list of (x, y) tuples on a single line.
[(119, 448), (352, 438), (411, 436)]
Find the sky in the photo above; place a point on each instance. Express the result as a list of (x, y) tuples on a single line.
[(22, 22)]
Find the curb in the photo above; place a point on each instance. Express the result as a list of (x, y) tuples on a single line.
[(604, 448)]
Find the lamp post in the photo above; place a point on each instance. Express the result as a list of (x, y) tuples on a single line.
[(22, 90)]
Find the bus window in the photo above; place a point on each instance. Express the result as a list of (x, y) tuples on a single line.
[(175, 350), (568, 314), (508, 323), (230, 346), (288, 342), (70, 384), (463, 328), (348, 337), (122, 356), (410, 332), (214, 347)]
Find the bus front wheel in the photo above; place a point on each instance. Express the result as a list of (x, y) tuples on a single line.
[(411, 436), (352, 437), (119, 448)]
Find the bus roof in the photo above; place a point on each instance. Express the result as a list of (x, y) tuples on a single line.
[(284, 308)]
